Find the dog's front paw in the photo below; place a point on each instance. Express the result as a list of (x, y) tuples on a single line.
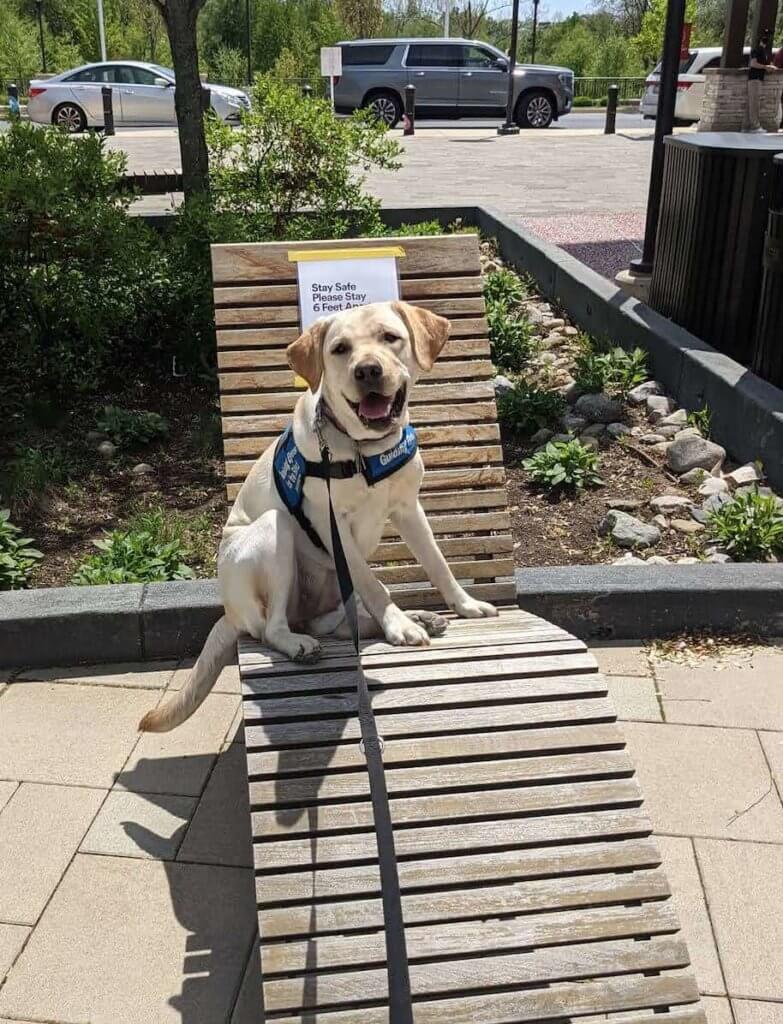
[(469, 608), (308, 649), (401, 631), (434, 624)]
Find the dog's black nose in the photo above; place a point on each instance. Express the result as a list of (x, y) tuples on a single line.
[(368, 372)]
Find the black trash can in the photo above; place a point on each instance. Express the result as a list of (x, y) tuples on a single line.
[(768, 356), (708, 258)]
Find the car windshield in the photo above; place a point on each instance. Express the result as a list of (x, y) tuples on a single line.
[(685, 63), (164, 71)]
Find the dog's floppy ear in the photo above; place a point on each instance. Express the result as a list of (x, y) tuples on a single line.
[(305, 356), (428, 332)]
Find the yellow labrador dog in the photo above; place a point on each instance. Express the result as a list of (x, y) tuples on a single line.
[(275, 565)]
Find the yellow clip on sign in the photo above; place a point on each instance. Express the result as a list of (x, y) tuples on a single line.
[(349, 253)]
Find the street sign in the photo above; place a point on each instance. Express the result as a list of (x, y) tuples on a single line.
[(331, 61)]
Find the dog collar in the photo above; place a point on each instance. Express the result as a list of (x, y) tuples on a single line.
[(291, 469)]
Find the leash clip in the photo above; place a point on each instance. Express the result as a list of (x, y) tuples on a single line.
[(374, 740)]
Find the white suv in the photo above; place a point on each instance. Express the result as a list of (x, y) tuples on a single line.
[(690, 84)]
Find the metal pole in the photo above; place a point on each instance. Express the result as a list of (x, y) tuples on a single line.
[(508, 127), (446, 17), (611, 110), (247, 44), (664, 123), (101, 32), (39, 7), (535, 26), (331, 89), (409, 117)]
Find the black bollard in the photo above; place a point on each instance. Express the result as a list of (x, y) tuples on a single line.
[(108, 110), (206, 100), (611, 110), (768, 354), (409, 117), (13, 100), (307, 91)]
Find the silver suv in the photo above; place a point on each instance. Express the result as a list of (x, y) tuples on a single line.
[(453, 77)]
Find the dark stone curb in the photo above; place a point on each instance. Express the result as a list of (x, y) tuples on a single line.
[(80, 625)]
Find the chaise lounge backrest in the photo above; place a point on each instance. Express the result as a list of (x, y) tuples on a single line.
[(452, 408)]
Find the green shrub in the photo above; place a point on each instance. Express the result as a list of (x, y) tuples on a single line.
[(27, 474), (504, 286), (615, 371), (228, 66), (584, 101), (422, 227), (564, 465), (191, 531), (129, 427), (509, 338), (702, 420), (526, 409), (133, 556), (17, 558), (750, 527)]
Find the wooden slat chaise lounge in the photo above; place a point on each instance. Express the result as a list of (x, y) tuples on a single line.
[(531, 887)]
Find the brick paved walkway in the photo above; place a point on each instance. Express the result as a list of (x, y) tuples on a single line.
[(126, 893)]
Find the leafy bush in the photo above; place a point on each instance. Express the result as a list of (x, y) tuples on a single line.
[(17, 558), (228, 66), (509, 337), (750, 527), (702, 420), (584, 101), (26, 475), (527, 408), (564, 464), (129, 427), (504, 286), (615, 371), (422, 227), (192, 531), (133, 556)]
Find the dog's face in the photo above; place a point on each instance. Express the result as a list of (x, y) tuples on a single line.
[(365, 360)]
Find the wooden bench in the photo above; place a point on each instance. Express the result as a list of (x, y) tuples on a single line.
[(532, 889)]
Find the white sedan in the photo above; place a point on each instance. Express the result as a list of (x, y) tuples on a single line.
[(142, 94)]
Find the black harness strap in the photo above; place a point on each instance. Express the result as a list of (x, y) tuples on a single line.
[(400, 1007)]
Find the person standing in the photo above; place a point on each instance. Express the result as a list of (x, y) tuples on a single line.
[(760, 64)]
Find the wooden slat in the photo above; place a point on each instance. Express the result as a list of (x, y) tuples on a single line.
[(477, 523), (555, 1003), (412, 289), (450, 546), (274, 423), (266, 380), (453, 306), (265, 356), (278, 336), (283, 401), (534, 967), (269, 263)]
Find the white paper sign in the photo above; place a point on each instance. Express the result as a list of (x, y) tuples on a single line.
[(330, 286), (331, 61)]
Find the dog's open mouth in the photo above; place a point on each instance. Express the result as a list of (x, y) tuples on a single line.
[(379, 411)]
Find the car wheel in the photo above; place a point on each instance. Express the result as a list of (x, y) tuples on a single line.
[(386, 107), (535, 110), (69, 117)]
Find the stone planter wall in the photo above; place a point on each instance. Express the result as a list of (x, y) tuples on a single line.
[(725, 106)]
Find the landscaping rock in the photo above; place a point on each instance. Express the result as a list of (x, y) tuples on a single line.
[(687, 560), (574, 423), (640, 394), (541, 436), (661, 521), (714, 502), (553, 340), (687, 526), (570, 390), (628, 559), (95, 436), (623, 504), (547, 358), (700, 515), (712, 485), (692, 452), (490, 266), (743, 476), (570, 332), (719, 557), (658, 560), (661, 448), (618, 430), (590, 442), (599, 408), (561, 437), (667, 431), (596, 430), (668, 503), (502, 385), (659, 406), (533, 313), (627, 531), (687, 432), (107, 449), (142, 469), (651, 439), (552, 322), (694, 476), (678, 418)]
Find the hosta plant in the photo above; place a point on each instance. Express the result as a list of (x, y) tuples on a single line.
[(749, 527), (17, 557), (566, 465)]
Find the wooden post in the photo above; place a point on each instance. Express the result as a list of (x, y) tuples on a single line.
[(764, 17), (734, 34)]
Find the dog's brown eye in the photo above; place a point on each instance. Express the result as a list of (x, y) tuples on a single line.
[(340, 349), (391, 338)]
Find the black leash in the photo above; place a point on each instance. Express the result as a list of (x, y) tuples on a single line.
[(400, 1007)]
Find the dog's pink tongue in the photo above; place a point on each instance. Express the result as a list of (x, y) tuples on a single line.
[(375, 407)]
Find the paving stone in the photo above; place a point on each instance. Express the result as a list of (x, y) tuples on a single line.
[(7, 790), (220, 830), (746, 695), (772, 742), (150, 675), (128, 941), (249, 1007), (635, 698), (40, 830), (748, 1011), (139, 825), (12, 938), (180, 761), (705, 782), (744, 887), (679, 863), (227, 681), (75, 735), (621, 658), (717, 1010)]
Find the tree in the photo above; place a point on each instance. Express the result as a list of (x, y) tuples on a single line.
[(181, 17), (648, 43), (363, 18)]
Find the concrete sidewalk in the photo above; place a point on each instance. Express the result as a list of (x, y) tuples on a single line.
[(126, 891)]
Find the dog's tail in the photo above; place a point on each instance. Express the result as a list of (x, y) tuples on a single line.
[(217, 653)]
